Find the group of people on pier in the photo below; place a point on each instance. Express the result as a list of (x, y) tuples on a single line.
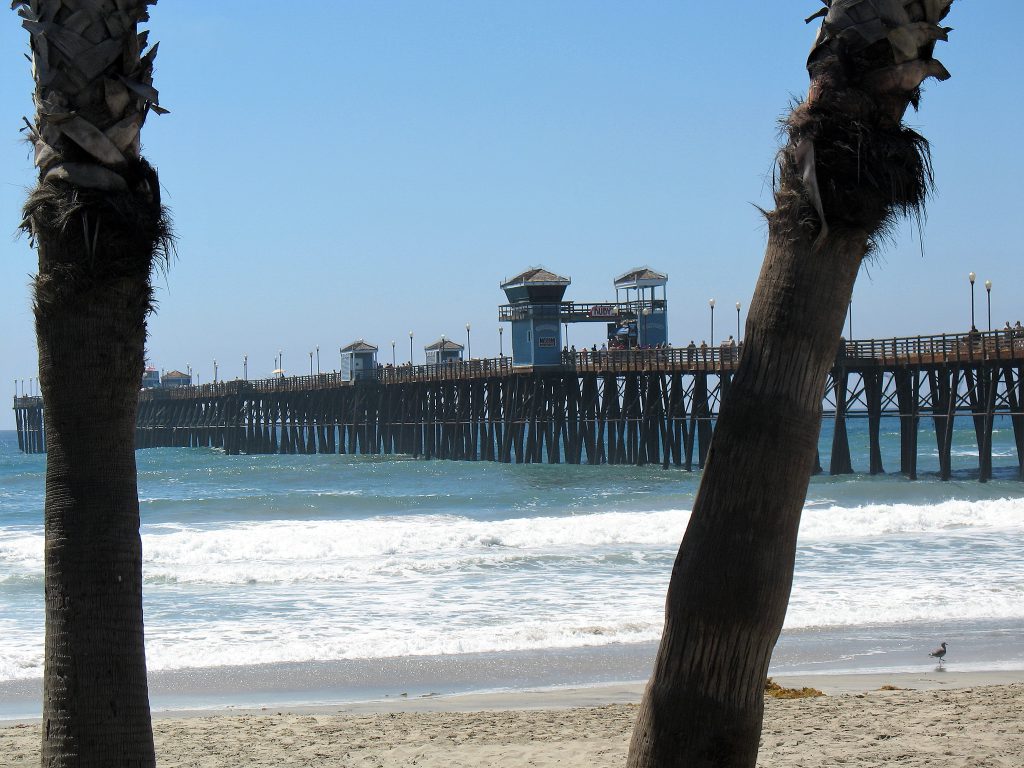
[(728, 350)]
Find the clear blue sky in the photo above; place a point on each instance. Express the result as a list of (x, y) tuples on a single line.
[(351, 170)]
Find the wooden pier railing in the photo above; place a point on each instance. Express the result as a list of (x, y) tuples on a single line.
[(908, 350)]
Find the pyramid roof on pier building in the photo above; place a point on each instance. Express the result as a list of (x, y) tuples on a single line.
[(359, 346), (640, 277), (445, 345), (536, 276), (537, 285)]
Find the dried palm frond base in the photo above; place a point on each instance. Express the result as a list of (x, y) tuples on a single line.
[(776, 691), (858, 163), (94, 236)]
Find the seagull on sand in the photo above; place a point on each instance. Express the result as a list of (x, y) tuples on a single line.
[(939, 652)]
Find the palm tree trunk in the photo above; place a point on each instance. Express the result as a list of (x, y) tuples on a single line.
[(848, 169), (96, 702), (731, 580), (98, 225)]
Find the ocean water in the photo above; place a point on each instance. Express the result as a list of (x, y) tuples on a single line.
[(321, 578)]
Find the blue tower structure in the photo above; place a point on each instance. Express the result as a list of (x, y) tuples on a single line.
[(535, 310), (647, 312)]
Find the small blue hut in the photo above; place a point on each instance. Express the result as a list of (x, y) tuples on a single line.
[(358, 361), (444, 350)]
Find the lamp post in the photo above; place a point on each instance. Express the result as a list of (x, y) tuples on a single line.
[(971, 276), (410, 347), (566, 334), (280, 361), (214, 371), (646, 314), (738, 305), (311, 362), (392, 353), (501, 349), (317, 359), (711, 303), (245, 367), (469, 346), (988, 297)]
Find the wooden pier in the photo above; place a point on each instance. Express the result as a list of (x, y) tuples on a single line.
[(655, 406)]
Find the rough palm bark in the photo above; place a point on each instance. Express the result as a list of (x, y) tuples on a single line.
[(98, 226), (848, 171)]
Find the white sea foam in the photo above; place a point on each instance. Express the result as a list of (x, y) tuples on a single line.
[(344, 549), (21, 649), (869, 520), (280, 590), (280, 550), (221, 644)]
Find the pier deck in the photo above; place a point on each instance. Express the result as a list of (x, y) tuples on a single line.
[(625, 406)]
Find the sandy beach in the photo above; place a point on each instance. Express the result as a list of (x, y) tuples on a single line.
[(937, 720)]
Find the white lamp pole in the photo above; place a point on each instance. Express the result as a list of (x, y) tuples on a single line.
[(988, 296), (711, 303), (972, 277)]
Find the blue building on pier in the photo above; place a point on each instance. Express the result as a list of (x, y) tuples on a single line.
[(638, 317), (442, 351), (645, 314), (358, 361), (535, 311)]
